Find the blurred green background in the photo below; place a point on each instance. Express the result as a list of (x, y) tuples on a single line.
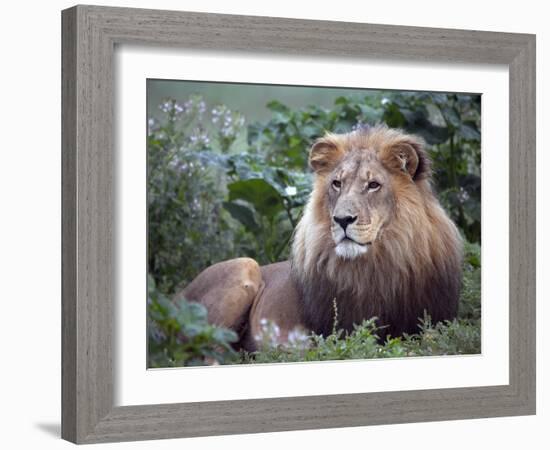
[(249, 99), (227, 176)]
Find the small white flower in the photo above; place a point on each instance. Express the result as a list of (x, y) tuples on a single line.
[(291, 190), (297, 338)]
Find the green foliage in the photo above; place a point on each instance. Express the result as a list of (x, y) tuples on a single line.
[(450, 124), (470, 295), (450, 338), (267, 201), (188, 227), (218, 189), (179, 333)]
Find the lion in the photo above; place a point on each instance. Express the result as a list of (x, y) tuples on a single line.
[(373, 241)]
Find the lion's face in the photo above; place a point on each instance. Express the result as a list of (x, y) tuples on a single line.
[(360, 202), (361, 176)]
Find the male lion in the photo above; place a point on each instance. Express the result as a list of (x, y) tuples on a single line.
[(373, 240)]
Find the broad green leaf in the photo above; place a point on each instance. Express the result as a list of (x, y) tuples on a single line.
[(439, 99), (341, 101), (243, 214), (451, 115), (262, 195), (370, 114), (277, 106), (225, 335), (469, 132)]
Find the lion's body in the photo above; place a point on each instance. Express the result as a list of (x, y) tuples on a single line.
[(373, 240), (239, 293)]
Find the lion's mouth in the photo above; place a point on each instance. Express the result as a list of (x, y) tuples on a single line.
[(348, 248), (347, 238)]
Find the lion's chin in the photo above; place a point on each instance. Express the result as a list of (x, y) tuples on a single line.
[(347, 249)]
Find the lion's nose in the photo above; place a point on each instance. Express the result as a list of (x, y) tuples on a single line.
[(344, 221)]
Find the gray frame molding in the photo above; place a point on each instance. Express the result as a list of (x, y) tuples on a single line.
[(89, 37)]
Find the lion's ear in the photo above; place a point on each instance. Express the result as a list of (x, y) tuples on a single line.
[(325, 154), (409, 155)]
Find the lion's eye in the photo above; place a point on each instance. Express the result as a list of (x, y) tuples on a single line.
[(373, 186), (336, 184)]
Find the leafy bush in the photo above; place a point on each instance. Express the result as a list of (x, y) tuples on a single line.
[(450, 338), (470, 295), (267, 201), (179, 333), (188, 227), (219, 189)]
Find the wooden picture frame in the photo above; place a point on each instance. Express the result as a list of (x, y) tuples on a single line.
[(90, 34)]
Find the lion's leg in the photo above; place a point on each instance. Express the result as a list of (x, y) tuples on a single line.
[(227, 289), (276, 313)]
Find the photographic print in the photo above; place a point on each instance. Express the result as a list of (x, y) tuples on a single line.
[(267, 250), (297, 224)]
